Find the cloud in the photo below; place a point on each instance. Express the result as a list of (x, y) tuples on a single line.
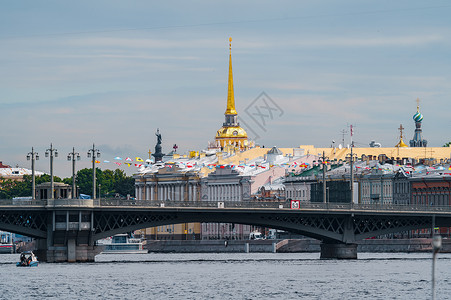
[(402, 41)]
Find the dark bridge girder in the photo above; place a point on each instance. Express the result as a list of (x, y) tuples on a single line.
[(32, 223), (328, 227)]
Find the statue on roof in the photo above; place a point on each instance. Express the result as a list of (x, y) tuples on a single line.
[(158, 154), (158, 136)]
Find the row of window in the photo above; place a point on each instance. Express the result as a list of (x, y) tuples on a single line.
[(297, 194), (432, 199)]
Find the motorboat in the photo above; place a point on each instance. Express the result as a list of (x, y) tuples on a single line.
[(122, 244), (6, 242), (27, 259)]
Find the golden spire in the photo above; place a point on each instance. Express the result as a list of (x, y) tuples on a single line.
[(418, 104), (230, 98)]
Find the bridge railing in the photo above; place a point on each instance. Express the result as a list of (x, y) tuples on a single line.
[(274, 205), (22, 202), (114, 202), (193, 204)]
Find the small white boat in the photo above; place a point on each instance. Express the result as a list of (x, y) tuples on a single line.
[(27, 259), (122, 244)]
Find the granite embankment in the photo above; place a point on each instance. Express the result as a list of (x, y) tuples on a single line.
[(289, 246)]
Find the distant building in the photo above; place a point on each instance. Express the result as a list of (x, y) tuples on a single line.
[(3, 166), (16, 173), (401, 188), (298, 187), (376, 188), (60, 191), (225, 184), (418, 140), (432, 190)]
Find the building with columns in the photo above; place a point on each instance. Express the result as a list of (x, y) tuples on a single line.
[(169, 183), (226, 184)]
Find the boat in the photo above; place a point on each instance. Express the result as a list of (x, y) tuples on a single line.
[(122, 244), (6, 242), (27, 259), (255, 235)]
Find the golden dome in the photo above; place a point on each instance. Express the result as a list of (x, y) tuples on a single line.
[(231, 132), (401, 144)]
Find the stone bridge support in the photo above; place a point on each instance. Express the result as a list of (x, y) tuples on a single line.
[(69, 238), (338, 251), (347, 249)]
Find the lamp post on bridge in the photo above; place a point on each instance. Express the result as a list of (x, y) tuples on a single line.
[(324, 161), (94, 153), (71, 156), (53, 152), (33, 156), (351, 162)]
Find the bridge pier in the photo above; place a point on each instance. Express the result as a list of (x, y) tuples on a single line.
[(338, 251), (66, 253)]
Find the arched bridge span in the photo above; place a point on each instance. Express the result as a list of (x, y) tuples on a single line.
[(61, 221)]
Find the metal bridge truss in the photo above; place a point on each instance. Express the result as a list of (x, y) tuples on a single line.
[(341, 225), (29, 223), (328, 227)]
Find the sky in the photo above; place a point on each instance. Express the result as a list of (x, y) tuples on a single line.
[(112, 72)]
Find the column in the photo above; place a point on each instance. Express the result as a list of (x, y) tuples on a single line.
[(209, 192), (136, 191), (182, 193), (152, 191), (176, 192), (195, 192), (148, 192)]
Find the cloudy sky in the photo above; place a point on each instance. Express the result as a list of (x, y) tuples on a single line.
[(111, 72)]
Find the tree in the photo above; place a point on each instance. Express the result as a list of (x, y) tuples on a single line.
[(447, 144), (84, 180), (111, 182)]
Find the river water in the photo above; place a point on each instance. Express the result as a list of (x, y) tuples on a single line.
[(229, 276)]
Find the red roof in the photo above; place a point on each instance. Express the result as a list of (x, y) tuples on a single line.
[(4, 166)]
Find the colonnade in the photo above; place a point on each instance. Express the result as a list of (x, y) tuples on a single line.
[(224, 192), (175, 191), (182, 191)]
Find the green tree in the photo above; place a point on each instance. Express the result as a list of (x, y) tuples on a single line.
[(110, 182), (84, 180), (447, 144)]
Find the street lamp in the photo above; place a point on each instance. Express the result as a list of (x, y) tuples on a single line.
[(324, 161), (53, 152), (351, 160), (94, 153), (71, 156), (33, 156)]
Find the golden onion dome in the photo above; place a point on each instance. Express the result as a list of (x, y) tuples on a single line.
[(231, 132)]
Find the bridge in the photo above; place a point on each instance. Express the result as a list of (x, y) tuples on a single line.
[(66, 229)]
